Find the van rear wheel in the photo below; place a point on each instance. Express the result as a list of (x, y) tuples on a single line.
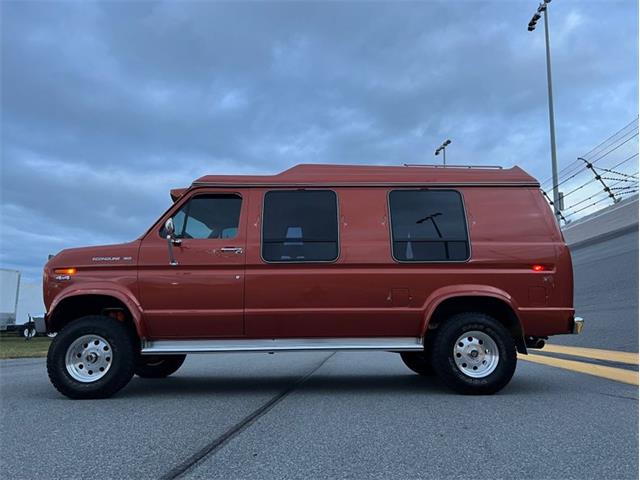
[(158, 366), (92, 357), (419, 362), (474, 354)]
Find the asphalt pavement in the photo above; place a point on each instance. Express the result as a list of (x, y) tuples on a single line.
[(345, 415)]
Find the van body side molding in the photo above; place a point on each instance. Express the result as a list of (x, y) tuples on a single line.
[(159, 347)]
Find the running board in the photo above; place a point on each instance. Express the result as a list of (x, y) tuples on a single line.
[(397, 344)]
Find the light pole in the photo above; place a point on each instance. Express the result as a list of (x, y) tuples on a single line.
[(543, 9), (443, 148)]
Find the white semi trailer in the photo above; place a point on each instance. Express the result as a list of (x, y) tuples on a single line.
[(9, 292), (20, 303)]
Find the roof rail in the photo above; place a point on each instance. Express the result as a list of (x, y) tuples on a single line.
[(431, 165)]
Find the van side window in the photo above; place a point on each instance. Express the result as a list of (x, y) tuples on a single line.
[(208, 216), (428, 226), (300, 226)]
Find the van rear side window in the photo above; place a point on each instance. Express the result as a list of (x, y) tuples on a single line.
[(300, 226), (428, 226)]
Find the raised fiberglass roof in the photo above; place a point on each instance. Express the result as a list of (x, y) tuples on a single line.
[(323, 174)]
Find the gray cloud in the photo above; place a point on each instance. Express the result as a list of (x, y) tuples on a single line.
[(105, 106)]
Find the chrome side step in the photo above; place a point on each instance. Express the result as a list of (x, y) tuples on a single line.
[(158, 347)]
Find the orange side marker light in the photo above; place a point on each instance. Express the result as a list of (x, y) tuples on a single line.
[(65, 271)]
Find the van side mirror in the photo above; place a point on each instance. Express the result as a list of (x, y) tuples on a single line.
[(171, 240), (169, 228)]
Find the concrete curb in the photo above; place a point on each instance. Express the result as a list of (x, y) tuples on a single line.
[(604, 236)]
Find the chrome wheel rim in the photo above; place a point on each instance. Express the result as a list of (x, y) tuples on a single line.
[(88, 358), (476, 354)]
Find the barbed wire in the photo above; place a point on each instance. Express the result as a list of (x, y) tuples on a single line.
[(615, 148), (579, 188), (619, 182), (611, 170), (632, 122), (621, 179), (577, 171), (594, 149), (614, 176), (588, 206), (557, 211), (574, 168), (582, 201)]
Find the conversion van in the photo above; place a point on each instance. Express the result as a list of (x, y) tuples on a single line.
[(456, 269)]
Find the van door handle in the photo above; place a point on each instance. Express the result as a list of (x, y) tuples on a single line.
[(236, 250)]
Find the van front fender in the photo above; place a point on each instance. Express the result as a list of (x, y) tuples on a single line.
[(121, 294)]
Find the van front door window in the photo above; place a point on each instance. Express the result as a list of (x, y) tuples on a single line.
[(208, 216)]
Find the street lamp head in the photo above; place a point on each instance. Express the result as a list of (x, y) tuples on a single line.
[(536, 17), (442, 147)]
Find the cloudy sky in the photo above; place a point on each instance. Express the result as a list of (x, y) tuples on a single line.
[(105, 106)]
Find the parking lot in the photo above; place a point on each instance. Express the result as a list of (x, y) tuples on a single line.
[(328, 415)]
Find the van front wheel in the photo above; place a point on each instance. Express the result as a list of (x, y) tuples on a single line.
[(92, 357), (474, 354), (158, 366)]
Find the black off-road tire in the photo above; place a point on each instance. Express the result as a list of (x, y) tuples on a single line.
[(420, 362), (444, 364), (122, 359), (158, 366)]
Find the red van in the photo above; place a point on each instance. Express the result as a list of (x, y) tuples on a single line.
[(455, 268)]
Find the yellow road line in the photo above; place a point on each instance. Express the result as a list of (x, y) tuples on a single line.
[(611, 355), (617, 374)]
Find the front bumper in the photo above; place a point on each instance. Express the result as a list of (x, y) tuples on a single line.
[(578, 325)]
